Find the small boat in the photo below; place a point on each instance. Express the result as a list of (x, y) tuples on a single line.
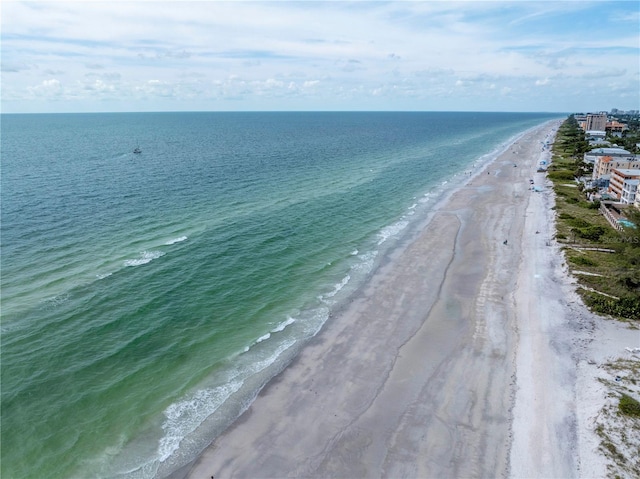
[(137, 150)]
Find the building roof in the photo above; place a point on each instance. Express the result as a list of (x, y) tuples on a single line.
[(615, 123), (627, 172), (608, 151)]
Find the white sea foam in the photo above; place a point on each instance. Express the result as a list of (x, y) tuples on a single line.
[(391, 230), (261, 365), (428, 197), (145, 257), (103, 275), (185, 416), (177, 240), (367, 260), (354, 252), (316, 318), (283, 325), (277, 329), (338, 287)]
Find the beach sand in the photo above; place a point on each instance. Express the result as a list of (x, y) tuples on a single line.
[(457, 359)]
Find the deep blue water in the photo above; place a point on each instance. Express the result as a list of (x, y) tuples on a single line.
[(147, 298)]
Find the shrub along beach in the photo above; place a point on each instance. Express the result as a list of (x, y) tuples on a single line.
[(478, 361), (606, 260)]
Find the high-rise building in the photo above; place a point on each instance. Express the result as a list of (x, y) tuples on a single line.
[(596, 121), (624, 180)]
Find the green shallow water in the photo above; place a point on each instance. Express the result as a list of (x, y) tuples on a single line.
[(147, 298)]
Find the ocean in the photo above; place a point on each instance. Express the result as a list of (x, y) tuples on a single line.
[(147, 298)]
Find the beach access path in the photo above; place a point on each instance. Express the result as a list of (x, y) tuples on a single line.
[(455, 360)]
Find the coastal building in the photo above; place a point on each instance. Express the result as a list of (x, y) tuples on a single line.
[(622, 180), (615, 128), (602, 182), (615, 111), (606, 159), (595, 137), (596, 121), (606, 164), (629, 191), (613, 152)]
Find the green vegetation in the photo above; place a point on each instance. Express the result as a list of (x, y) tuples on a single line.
[(631, 137), (629, 406), (566, 175), (611, 258), (570, 140), (582, 261), (626, 307)]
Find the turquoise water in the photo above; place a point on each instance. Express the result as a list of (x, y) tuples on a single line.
[(147, 298)]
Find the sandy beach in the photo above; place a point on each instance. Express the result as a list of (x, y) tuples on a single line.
[(463, 356)]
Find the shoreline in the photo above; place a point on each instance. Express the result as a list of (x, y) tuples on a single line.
[(425, 372)]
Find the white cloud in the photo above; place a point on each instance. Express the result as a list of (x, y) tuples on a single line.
[(48, 88), (384, 52)]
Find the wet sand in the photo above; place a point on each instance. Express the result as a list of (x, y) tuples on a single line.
[(432, 370)]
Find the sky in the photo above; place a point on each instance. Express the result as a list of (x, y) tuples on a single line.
[(88, 56)]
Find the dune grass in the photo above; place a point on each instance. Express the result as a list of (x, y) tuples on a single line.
[(606, 262)]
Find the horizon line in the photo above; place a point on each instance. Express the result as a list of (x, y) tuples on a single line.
[(281, 111)]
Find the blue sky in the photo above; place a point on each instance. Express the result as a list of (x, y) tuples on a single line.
[(277, 55)]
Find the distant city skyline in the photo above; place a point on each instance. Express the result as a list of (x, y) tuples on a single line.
[(571, 56)]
